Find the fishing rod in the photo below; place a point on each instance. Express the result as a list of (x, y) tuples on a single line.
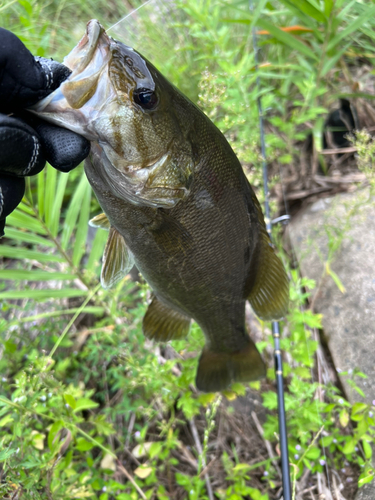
[(285, 469)]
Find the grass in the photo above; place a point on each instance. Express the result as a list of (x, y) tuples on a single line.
[(88, 407)]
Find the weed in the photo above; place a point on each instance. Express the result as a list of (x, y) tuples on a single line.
[(88, 408)]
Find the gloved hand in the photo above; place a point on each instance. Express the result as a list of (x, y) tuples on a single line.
[(26, 142)]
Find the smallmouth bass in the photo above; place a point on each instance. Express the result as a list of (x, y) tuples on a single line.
[(176, 202)]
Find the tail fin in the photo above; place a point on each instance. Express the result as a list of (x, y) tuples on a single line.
[(217, 370)]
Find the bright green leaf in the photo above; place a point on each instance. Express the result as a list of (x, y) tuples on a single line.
[(84, 445), (70, 400), (85, 404)]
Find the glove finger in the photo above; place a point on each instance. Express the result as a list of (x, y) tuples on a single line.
[(24, 80), (20, 148), (12, 190), (62, 148)]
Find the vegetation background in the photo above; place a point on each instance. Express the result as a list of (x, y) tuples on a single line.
[(88, 407)]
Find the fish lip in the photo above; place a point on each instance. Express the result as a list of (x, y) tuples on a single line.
[(87, 45)]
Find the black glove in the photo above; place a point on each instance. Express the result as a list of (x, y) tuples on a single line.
[(27, 142)]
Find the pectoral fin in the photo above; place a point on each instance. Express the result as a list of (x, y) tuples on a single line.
[(217, 370), (100, 221), (163, 323), (269, 295), (117, 260)]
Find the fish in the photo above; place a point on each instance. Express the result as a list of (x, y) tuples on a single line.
[(176, 202)]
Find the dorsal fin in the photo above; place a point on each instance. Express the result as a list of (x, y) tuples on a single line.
[(269, 295), (100, 221), (117, 260)]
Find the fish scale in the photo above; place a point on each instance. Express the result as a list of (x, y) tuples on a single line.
[(178, 203)]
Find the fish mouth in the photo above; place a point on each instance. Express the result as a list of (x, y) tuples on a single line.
[(88, 60), (81, 56)]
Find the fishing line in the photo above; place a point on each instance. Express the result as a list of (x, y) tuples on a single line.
[(130, 14), (285, 469)]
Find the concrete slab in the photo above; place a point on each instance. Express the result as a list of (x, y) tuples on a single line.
[(345, 223), (349, 317)]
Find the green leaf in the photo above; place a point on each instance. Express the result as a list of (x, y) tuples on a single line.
[(70, 400), (73, 211), (41, 192), (6, 420), (287, 39), (83, 227), (344, 418), (326, 440), (24, 253), (359, 408), (349, 446), (241, 467), (357, 23), (85, 404), (10, 346), (313, 453), (359, 390), (97, 249), (309, 318), (42, 295), (56, 209), (50, 194), (6, 454), (26, 208), (34, 275), (55, 428), (366, 478), (328, 6), (306, 7), (331, 61), (367, 450), (335, 278), (155, 449), (257, 12), (362, 427), (22, 220), (342, 14), (27, 237), (83, 445)]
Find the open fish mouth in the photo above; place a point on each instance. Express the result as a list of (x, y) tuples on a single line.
[(87, 61), (81, 56)]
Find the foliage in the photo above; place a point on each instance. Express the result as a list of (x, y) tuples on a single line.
[(365, 145), (88, 408)]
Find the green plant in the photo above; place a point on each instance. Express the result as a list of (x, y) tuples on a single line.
[(88, 408)]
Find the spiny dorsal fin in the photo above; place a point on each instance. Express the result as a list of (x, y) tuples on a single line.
[(164, 323), (100, 221), (217, 370), (269, 296), (117, 259)]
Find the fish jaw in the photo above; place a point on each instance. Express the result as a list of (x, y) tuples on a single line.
[(79, 99)]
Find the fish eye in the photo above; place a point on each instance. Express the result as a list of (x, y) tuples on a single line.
[(146, 98)]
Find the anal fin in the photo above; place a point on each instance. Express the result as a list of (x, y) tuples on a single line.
[(117, 260), (269, 296), (217, 370), (163, 323)]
